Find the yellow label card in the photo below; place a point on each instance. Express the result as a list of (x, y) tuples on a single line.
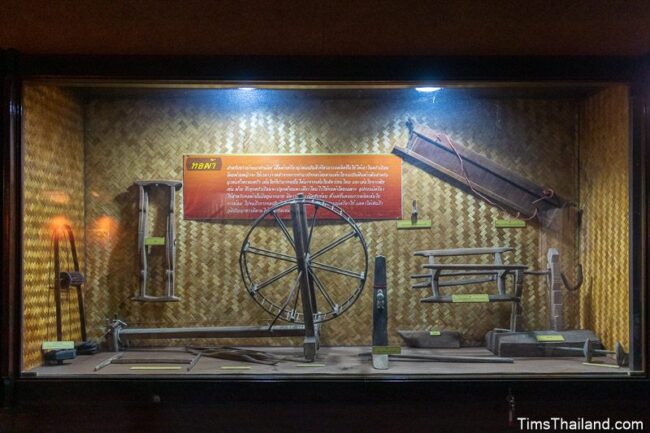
[(594, 364), (408, 225), (471, 297), (155, 367), (154, 240), (386, 350), (549, 337), (434, 333), (58, 345), (509, 224)]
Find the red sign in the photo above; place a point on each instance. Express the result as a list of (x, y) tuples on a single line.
[(243, 186)]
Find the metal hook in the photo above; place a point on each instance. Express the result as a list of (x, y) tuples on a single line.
[(579, 280), (414, 213)]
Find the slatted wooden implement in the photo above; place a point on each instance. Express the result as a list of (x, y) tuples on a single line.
[(435, 153)]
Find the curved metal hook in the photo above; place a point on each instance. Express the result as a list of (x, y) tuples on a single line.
[(579, 280)]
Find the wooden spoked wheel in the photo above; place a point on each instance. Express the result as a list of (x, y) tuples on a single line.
[(304, 250)]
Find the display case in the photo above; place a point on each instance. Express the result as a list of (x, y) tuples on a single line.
[(409, 227)]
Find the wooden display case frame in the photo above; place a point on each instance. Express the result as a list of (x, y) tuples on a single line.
[(147, 392)]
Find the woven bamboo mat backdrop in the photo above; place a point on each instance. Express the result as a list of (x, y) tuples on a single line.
[(144, 137), (54, 193), (129, 138), (604, 195)]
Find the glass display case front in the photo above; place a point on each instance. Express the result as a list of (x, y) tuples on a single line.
[(337, 230)]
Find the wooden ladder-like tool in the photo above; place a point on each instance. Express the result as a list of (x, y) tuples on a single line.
[(168, 241)]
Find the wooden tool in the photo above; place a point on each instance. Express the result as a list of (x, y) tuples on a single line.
[(441, 358), (588, 351), (68, 276), (437, 154), (450, 275), (146, 242), (380, 314)]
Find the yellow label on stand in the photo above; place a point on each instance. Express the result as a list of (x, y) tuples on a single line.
[(154, 240), (408, 225), (58, 345), (386, 350), (549, 337), (509, 224), (434, 333), (471, 297)]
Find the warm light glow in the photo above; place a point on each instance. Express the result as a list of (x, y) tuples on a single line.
[(102, 229), (58, 223), (105, 223), (427, 89)]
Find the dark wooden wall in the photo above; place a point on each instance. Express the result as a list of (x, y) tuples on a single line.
[(327, 27)]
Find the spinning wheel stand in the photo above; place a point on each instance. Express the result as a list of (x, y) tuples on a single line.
[(305, 316)]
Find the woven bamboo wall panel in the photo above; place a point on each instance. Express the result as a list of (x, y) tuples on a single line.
[(604, 139), (53, 193), (145, 138)]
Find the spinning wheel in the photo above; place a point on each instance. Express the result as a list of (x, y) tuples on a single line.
[(319, 255)]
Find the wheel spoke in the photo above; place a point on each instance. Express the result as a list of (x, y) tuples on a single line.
[(321, 288), (272, 254), (274, 278), (313, 224), (283, 227), (284, 306), (340, 271), (334, 244), (295, 301)]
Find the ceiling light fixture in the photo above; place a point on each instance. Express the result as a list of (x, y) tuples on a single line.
[(427, 89)]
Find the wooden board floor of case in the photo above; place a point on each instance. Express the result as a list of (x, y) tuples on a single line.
[(335, 361)]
